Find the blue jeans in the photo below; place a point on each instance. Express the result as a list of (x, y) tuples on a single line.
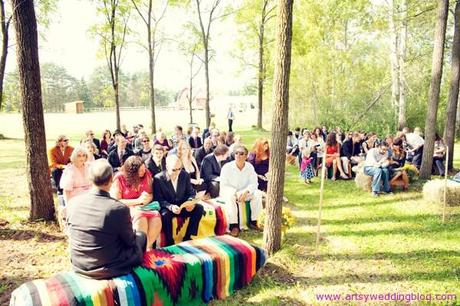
[(380, 176)]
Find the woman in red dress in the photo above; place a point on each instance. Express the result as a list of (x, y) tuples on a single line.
[(333, 156), (133, 187)]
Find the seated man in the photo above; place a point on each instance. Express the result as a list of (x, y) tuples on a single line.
[(102, 241), (172, 188), (376, 165), (238, 185), (349, 153), (204, 150), (416, 143), (120, 152), (210, 169)]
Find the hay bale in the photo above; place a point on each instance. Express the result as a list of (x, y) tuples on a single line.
[(433, 191), (362, 180)]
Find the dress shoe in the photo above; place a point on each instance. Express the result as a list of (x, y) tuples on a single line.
[(235, 232)]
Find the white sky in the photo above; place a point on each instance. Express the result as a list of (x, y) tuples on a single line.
[(69, 44)]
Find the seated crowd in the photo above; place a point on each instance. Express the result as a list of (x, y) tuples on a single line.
[(107, 190), (383, 160)]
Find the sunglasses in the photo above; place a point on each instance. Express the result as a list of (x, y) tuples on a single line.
[(240, 153), (176, 169), (145, 140), (65, 140)]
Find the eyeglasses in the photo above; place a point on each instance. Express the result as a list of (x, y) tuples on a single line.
[(240, 153), (145, 140), (65, 140), (176, 169)]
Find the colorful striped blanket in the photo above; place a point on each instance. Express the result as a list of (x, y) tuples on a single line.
[(213, 223), (189, 273)]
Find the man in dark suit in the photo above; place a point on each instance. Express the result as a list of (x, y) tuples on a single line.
[(210, 169), (173, 188), (349, 153), (102, 241), (195, 140), (119, 153), (203, 151), (90, 136)]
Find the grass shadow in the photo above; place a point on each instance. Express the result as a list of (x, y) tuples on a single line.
[(20, 235)]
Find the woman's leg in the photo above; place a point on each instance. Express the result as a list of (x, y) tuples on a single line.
[(405, 179), (141, 226), (334, 169), (154, 230), (339, 166)]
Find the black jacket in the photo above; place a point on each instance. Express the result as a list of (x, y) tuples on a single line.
[(164, 191), (191, 142), (114, 159), (350, 149), (210, 168), (102, 240), (200, 154), (153, 168)]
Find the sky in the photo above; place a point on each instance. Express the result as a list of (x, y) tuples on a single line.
[(67, 42)]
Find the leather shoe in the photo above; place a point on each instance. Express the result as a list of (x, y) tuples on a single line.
[(255, 227), (235, 232)]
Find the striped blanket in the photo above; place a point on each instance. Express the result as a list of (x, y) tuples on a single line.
[(189, 273), (213, 223)]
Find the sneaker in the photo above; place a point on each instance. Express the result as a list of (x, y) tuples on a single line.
[(255, 227), (375, 194)]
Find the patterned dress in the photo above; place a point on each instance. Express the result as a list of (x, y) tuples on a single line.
[(306, 169)]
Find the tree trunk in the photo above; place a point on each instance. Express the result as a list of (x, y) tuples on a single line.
[(393, 57), (261, 78), (117, 103), (449, 130), (5, 37), (402, 71), (152, 88), (206, 72), (272, 232), (41, 198), (436, 75), (190, 91)]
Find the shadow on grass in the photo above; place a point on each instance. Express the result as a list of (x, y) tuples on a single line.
[(412, 256), (7, 286), (20, 235)]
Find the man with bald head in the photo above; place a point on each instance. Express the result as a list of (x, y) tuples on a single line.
[(172, 187), (102, 241)]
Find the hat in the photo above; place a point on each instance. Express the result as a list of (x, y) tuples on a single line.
[(117, 132)]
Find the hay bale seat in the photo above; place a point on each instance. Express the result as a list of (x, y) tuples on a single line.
[(362, 180), (189, 273), (433, 191), (213, 223)]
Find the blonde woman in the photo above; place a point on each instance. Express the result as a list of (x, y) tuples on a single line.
[(75, 178), (184, 152)]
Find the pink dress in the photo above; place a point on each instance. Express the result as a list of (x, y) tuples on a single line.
[(129, 193), (75, 181)]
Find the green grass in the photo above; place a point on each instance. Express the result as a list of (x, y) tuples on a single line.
[(390, 244)]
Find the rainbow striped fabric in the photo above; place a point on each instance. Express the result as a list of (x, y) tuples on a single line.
[(213, 223), (189, 273)]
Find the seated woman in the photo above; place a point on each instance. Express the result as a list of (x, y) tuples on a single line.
[(59, 157), (132, 186), (259, 158), (333, 156), (398, 177), (163, 141), (75, 178), (146, 152), (184, 152), (370, 143), (106, 142), (316, 146), (439, 154), (92, 151)]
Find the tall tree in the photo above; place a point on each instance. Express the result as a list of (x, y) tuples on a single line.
[(4, 25), (42, 206), (394, 58), (449, 130), (205, 27), (402, 54), (113, 35), (435, 85), (145, 9), (272, 232)]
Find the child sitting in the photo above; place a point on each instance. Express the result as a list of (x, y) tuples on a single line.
[(306, 169)]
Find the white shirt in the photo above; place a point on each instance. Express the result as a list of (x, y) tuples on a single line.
[(414, 140), (374, 158), (234, 180)]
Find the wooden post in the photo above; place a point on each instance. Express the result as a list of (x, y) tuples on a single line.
[(321, 192), (446, 172)]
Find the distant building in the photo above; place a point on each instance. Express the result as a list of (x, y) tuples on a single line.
[(75, 107), (199, 101)]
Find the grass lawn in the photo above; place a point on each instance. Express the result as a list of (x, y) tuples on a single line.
[(390, 244)]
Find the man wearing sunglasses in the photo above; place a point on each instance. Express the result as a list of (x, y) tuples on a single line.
[(238, 184), (171, 188)]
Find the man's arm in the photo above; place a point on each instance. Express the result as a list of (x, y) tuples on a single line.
[(158, 194), (122, 221), (206, 170)]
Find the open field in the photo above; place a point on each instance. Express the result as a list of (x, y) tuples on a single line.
[(390, 244)]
